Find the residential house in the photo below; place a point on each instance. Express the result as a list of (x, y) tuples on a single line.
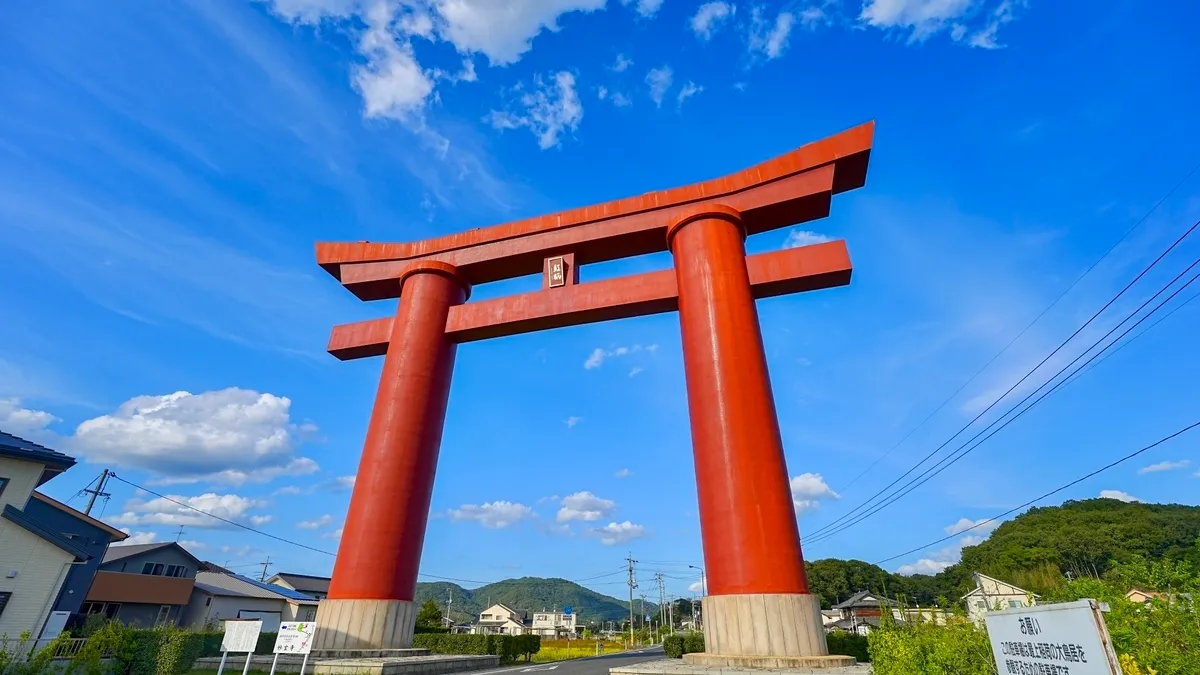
[(218, 596), (500, 620), (143, 585), (316, 587), (89, 533), (829, 617), (35, 558), (1141, 595), (861, 612), (990, 594), (553, 624)]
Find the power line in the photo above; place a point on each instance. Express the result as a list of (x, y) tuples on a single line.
[(867, 503), (1048, 494), (1024, 330), (959, 453)]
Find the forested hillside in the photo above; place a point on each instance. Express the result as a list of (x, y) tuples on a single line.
[(1034, 550), (528, 593)]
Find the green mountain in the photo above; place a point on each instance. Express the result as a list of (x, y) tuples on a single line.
[(1034, 551), (528, 593)]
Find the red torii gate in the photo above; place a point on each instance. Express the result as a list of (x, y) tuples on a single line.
[(758, 605)]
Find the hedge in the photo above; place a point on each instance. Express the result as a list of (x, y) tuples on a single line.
[(507, 647), (678, 644), (849, 644)]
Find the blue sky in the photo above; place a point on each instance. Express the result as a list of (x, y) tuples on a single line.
[(165, 169)]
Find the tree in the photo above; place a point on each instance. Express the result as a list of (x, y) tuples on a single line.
[(430, 615)]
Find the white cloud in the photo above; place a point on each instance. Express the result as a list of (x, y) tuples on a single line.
[(697, 587), (392, 83), (618, 99), (1118, 495), (136, 538), (635, 370), (315, 523), (621, 64), (811, 16), (493, 514), (646, 9), (623, 473), (940, 560), (261, 520), (1165, 466), (288, 490), (798, 237), (618, 533), (346, 481), (659, 81), (710, 17), (572, 421), (769, 38), (922, 19), (18, 420), (599, 356), (160, 511), (551, 109), (584, 506), (689, 90), (334, 534), (981, 526), (232, 436), (808, 489)]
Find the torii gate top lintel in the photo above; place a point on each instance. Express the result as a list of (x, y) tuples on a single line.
[(787, 190)]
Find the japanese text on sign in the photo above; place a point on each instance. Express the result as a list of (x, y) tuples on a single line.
[(558, 275), (1059, 639), (295, 637), (241, 635)]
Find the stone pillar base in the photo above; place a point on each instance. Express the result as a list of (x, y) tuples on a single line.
[(773, 625), (364, 624), (769, 662)]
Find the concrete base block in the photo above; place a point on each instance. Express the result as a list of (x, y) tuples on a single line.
[(769, 662), (768, 625), (364, 625), (678, 667), (414, 665)]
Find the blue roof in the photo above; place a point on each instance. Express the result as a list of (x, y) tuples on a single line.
[(281, 590)]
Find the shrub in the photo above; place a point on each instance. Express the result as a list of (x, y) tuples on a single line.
[(673, 646), (693, 643), (848, 644), (958, 648), (507, 647), (165, 650)]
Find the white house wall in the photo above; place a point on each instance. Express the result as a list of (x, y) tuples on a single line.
[(40, 570), (22, 479), (225, 607)]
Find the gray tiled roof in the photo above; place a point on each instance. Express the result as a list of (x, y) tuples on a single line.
[(215, 583)]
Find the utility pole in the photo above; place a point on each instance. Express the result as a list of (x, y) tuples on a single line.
[(632, 585), (662, 617), (98, 492), (264, 572), (449, 602)]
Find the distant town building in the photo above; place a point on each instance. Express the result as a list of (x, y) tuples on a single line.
[(990, 593), (143, 585), (501, 620), (553, 624), (218, 597), (316, 587), (861, 612)]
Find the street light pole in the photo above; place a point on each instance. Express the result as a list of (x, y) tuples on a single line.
[(703, 592)]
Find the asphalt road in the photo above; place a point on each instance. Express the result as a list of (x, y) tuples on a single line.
[(594, 665)]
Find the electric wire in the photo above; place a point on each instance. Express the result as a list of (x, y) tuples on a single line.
[(959, 453), (1024, 330), (1097, 314), (1048, 494)]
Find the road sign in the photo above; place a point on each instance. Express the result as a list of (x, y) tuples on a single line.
[(1067, 638), (295, 637), (241, 635), (568, 610)]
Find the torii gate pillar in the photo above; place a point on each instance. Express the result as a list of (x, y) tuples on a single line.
[(758, 611)]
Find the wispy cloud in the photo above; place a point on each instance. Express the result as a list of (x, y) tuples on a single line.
[(1165, 466)]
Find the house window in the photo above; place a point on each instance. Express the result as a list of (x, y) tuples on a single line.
[(981, 605), (154, 569), (1015, 603), (110, 610), (4, 597), (164, 613), (208, 601), (3, 484), (310, 614), (176, 570)]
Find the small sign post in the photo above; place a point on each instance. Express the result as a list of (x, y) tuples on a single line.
[(1067, 638), (241, 635), (294, 638)]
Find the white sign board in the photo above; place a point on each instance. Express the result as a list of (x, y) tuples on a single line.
[(241, 635), (1068, 638), (295, 637)]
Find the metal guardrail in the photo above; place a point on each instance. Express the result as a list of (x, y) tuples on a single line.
[(20, 650)]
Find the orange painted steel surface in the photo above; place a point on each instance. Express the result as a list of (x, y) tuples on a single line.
[(776, 273), (381, 542), (747, 520), (789, 189)]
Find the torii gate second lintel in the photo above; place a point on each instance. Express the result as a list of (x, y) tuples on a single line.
[(758, 604)]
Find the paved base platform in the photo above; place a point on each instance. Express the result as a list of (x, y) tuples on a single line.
[(769, 662), (389, 662), (678, 667), (412, 665)]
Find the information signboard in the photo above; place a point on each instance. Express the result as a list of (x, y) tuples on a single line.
[(295, 637), (1068, 638), (241, 635)]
